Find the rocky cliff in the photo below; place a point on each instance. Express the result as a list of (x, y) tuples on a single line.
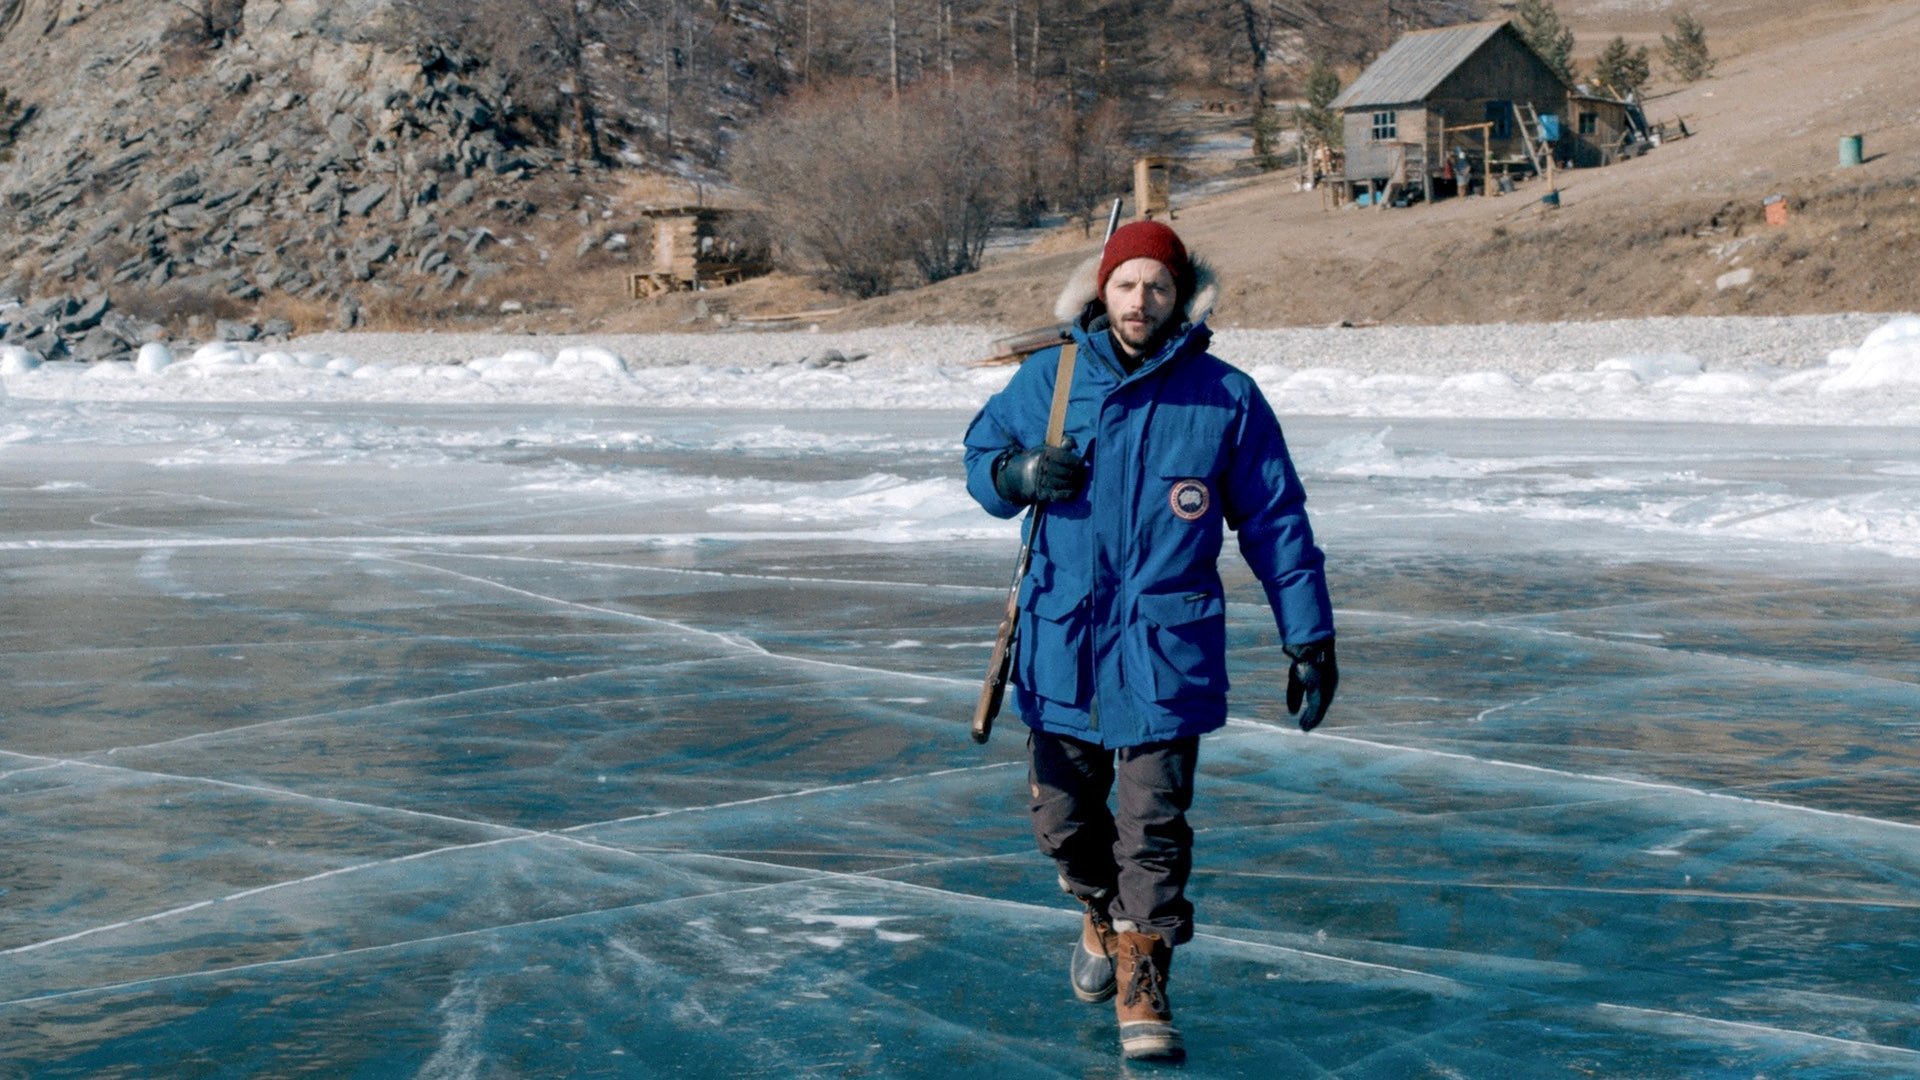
[(248, 157)]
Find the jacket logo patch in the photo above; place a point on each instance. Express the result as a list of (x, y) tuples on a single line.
[(1190, 499)]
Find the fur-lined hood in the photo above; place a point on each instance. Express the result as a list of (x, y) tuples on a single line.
[(1082, 288)]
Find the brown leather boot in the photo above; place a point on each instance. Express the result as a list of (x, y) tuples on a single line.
[(1091, 969), (1141, 965)]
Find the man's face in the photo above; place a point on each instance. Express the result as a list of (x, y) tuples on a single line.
[(1140, 294)]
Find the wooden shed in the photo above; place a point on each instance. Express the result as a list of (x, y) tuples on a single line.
[(691, 250), (1477, 88), (1602, 129)]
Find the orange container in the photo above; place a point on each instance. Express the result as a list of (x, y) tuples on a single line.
[(1776, 209)]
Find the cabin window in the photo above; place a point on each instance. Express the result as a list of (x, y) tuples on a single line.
[(1589, 123), (1500, 115), (1386, 126)]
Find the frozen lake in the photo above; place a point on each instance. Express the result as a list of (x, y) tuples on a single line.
[(491, 741)]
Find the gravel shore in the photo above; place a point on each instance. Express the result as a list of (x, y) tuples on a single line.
[(1520, 349)]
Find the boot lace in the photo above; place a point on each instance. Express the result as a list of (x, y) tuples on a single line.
[(1097, 914), (1148, 979)]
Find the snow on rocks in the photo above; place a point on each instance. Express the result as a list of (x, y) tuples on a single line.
[(1889, 357), (589, 361), (154, 358), (15, 360), (1649, 368)]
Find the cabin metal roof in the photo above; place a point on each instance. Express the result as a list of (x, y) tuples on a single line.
[(1416, 64)]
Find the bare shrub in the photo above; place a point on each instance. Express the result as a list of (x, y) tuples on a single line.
[(963, 143), (831, 169), (1091, 160), (173, 305), (307, 316), (201, 27), (864, 184)]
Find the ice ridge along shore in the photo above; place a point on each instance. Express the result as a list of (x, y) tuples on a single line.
[(1851, 369)]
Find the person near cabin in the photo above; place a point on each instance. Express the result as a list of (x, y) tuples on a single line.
[(1120, 652)]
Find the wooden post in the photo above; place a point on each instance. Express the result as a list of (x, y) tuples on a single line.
[(1300, 147), (1486, 154), (1152, 188)]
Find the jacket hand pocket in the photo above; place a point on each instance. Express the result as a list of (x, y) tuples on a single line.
[(1186, 643), (1054, 651)]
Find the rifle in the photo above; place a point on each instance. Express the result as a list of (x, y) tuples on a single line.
[(993, 690)]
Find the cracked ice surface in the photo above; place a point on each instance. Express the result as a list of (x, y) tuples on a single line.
[(491, 741)]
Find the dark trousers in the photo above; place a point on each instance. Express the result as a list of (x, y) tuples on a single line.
[(1139, 853)]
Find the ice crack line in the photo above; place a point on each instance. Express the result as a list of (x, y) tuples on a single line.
[(42, 767), (1765, 1029), (1521, 624), (296, 961), (874, 877), (451, 695), (1645, 785), (738, 641), (568, 835), (424, 540), (732, 575), (1582, 890), (784, 795), (1484, 713)]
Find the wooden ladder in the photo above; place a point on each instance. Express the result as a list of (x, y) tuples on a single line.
[(1528, 120)]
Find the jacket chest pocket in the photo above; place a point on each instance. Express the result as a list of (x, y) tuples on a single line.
[(1185, 640), (1055, 652), (1186, 443)]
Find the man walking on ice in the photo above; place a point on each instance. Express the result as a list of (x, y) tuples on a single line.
[(1120, 655)]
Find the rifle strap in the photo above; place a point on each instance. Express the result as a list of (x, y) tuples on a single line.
[(1062, 384)]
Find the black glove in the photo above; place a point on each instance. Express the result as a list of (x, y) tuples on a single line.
[(1311, 680), (1040, 474)]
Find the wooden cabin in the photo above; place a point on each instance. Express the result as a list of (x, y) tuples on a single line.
[(1477, 88), (691, 250), (1602, 129)]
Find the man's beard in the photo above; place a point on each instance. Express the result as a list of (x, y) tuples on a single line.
[(1153, 334)]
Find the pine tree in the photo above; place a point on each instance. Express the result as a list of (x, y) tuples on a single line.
[(1317, 115), (1620, 69), (1540, 25), (1686, 50)]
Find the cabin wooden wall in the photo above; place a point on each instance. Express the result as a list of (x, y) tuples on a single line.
[(1596, 148), (1367, 159), (1503, 70)]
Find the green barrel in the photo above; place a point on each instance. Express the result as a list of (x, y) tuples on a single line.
[(1852, 149)]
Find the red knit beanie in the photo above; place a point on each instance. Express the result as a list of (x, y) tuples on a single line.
[(1148, 240)]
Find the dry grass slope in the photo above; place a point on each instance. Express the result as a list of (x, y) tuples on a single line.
[(1659, 235)]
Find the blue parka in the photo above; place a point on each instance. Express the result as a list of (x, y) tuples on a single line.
[(1122, 621)]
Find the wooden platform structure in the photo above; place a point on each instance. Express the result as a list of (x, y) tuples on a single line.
[(691, 251), (1153, 188)]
